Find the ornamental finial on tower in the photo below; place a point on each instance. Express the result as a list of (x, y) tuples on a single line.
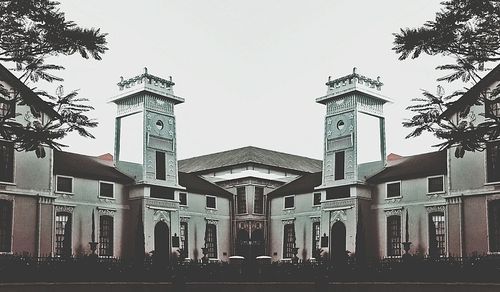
[(147, 80)]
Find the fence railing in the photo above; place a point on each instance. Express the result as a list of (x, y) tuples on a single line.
[(14, 268)]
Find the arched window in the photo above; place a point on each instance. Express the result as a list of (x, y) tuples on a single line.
[(106, 232), (5, 225)]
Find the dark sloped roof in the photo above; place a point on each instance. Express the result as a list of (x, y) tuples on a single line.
[(302, 185), (247, 155), (27, 94), (83, 166), (421, 165), (472, 95), (195, 184)]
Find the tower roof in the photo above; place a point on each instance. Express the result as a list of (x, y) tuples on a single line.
[(351, 83), (149, 83)]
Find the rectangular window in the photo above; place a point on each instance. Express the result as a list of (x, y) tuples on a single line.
[(106, 189), (183, 199), (211, 240), (162, 193), (183, 239), (437, 234), (393, 190), (211, 202), (7, 109), (161, 170), (5, 225), (64, 184), (316, 238), (339, 165), (338, 193), (316, 199), (258, 204), (435, 184), (289, 202), (63, 234), (6, 161), (106, 236), (394, 235), (288, 241), (493, 161), (494, 225), (241, 198)]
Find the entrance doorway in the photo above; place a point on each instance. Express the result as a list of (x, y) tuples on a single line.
[(250, 244), (338, 244), (162, 243)]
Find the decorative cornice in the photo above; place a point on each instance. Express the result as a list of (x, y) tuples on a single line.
[(437, 208), (184, 219), (212, 221), (338, 203), (65, 208), (393, 211), (315, 218), (287, 221), (106, 211)]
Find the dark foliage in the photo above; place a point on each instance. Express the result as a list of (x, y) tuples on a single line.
[(30, 32), (469, 32)]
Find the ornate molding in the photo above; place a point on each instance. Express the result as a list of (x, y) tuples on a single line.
[(212, 221), (6, 197), (106, 211), (287, 221), (106, 200), (454, 200), (394, 211), (315, 218), (338, 203), (161, 203), (184, 219), (65, 208), (393, 200), (438, 208), (338, 215), (45, 200), (161, 215)]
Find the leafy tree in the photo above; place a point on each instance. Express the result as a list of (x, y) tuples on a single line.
[(31, 31), (469, 32)]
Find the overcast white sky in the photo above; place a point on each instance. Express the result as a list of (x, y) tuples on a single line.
[(250, 70)]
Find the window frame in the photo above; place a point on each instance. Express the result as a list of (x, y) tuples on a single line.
[(72, 184), (284, 202), (160, 175), (238, 200), (388, 243), (114, 189), (12, 150), (490, 224), (313, 199), (111, 237), (186, 197), (255, 201), (445, 241), (336, 174), (216, 241), (400, 189), (11, 237), (486, 160), (70, 219), (436, 192), (285, 242), (206, 202)]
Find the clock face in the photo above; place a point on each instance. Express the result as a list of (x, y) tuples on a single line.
[(340, 125), (159, 125)]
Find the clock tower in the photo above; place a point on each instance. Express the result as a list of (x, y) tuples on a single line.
[(145, 149), (145, 137), (354, 149)]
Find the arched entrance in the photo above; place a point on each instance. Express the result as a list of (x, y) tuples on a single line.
[(337, 243), (162, 243)]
